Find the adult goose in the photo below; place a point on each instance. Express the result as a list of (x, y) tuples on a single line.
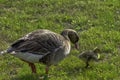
[(44, 46)]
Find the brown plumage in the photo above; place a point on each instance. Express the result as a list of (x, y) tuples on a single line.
[(87, 56), (44, 46)]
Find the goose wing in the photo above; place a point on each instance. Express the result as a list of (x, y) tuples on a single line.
[(38, 42)]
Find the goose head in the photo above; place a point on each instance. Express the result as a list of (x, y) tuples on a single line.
[(72, 36)]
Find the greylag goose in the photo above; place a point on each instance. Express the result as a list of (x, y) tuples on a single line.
[(44, 46), (87, 56)]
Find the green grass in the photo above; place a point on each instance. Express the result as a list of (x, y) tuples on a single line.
[(97, 22)]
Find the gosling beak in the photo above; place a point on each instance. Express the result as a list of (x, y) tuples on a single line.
[(98, 56), (77, 46)]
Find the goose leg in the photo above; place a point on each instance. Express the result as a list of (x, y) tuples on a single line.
[(33, 68), (87, 64), (47, 69), (46, 73)]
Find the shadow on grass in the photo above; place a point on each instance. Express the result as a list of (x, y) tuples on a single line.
[(28, 77), (73, 71), (70, 71)]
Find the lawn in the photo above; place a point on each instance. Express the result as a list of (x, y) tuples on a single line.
[(97, 23)]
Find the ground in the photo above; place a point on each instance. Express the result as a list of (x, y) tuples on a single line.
[(97, 23)]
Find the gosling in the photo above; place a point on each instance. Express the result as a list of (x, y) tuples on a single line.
[(87, 56)]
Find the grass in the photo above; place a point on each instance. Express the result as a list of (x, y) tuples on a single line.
[(97, 22)]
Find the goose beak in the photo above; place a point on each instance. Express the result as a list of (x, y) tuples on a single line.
[(77, 46)]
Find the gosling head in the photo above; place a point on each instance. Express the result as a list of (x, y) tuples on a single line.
[(97, 51)]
